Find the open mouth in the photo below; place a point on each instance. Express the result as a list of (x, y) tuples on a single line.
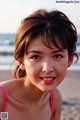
[(47, 80)]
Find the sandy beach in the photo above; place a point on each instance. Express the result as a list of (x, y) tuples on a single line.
[(69, 88)]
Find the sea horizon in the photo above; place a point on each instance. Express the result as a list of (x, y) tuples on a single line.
[(7, 48)]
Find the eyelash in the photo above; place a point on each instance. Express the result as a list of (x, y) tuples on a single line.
[(58, 56), (35, 57)]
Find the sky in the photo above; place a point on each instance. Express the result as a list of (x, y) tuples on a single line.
[(13, 11)]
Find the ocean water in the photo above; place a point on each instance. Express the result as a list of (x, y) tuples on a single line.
[(7, 48)]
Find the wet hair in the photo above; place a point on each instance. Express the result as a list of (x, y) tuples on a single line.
[(55, 26)]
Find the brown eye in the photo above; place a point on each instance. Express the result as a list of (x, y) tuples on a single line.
[(35, 57), (58, 56)]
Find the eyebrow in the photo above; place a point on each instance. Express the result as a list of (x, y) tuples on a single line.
[(34, 51), (60, 50), (39, 52)]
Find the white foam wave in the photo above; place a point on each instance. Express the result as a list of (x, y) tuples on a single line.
[(6, 49)]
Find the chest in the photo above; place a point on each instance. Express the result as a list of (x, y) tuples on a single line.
[(30, 114), (18, 112)]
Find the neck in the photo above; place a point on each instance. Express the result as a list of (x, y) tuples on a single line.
[(33, 95)]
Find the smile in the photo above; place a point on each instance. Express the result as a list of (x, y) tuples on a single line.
[(47, 80)]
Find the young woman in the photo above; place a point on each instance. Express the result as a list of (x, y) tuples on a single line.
[(45, 46)]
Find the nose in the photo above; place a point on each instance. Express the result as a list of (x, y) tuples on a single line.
[(47, 67)]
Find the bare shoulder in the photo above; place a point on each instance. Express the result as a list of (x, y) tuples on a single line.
[(57, 94), (2, 85), (7, 85), (57, 98), (6, 82)]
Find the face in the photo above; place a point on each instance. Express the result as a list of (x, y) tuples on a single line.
[(45, 67)]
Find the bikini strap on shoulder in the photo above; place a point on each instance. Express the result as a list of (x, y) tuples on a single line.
[(5, 98), (52, 101)]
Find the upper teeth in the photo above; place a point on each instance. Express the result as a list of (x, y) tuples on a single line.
[(47, 78)]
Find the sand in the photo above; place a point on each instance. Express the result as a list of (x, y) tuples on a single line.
[(70, 87), (70, 90)]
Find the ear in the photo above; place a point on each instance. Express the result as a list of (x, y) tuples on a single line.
[(70, 61), (20, 62)]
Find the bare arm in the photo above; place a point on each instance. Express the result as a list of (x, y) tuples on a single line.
[(57, 105)]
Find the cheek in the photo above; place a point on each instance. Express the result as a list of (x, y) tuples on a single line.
[(62, 67), (32, 69)]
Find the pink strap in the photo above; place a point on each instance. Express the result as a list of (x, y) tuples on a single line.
[(5, 98), (52, 103)]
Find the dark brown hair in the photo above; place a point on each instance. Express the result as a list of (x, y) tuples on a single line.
[(54, 25)]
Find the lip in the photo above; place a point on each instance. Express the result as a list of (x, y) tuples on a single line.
[(47, 79)]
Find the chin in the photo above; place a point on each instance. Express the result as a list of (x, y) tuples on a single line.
[(47, 89)]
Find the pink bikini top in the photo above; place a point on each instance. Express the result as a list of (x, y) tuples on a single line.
[(52, 103), (5, 100)]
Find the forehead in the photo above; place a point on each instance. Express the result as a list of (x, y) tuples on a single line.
[(43, 42)]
